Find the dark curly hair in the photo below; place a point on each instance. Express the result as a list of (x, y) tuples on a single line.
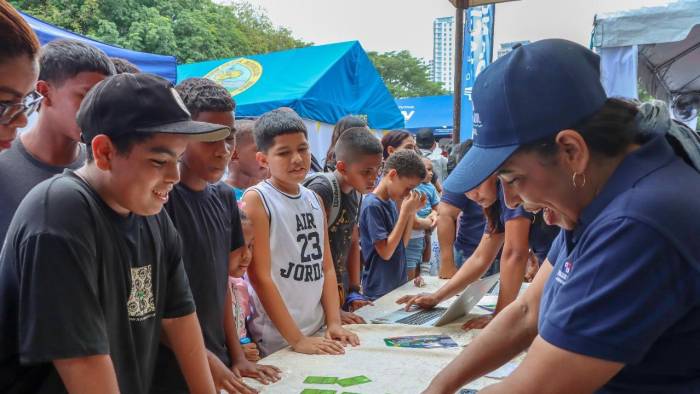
[(205, 95)]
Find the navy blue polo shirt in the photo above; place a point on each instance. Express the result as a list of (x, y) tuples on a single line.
[(471, 222), (377, 220), (625, 284), (540, 236)]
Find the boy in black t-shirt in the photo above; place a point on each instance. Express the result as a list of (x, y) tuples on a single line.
[(358, 155), (91, 271), (205, 213)]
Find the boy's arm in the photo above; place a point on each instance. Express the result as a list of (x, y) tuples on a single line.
[(330, 297), (401, 231), (409, 229), (354, 266), (82, 374), (184, 336)]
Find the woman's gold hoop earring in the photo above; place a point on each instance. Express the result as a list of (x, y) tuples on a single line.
[(573, 180)]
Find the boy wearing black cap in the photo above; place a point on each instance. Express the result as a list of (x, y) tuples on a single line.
[(91, 271)]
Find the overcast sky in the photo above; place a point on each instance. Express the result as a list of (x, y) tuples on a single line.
[(392, 25)]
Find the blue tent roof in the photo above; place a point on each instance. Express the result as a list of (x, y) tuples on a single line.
[(433, 112), (165, 66), (323, 83)]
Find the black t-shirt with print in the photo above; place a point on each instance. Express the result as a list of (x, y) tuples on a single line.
[(77, 280), (339, 232), (210, 228)]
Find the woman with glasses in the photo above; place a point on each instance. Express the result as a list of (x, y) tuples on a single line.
[(18, 73)]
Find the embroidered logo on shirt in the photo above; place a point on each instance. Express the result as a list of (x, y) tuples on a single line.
[(563, 274), (141, 304)]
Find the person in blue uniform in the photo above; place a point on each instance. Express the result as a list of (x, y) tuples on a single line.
[(615, 308)]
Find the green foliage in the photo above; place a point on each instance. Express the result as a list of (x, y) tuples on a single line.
[(192, 30), (405, 75)]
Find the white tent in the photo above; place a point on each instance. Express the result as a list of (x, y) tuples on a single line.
[(659, 46)]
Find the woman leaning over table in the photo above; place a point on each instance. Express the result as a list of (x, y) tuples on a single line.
[(615, 308)]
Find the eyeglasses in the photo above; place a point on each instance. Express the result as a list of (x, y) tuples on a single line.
[(29, 104)]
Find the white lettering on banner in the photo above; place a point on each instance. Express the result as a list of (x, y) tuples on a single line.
[(407, 115)]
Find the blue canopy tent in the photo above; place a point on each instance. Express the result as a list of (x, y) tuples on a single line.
[(657, 46), (433, 112), (321, 83), (165, 66)]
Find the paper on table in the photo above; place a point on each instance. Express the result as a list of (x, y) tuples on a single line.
[(504, 371)]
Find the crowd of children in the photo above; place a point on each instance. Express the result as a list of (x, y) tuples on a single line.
[(129, 191)]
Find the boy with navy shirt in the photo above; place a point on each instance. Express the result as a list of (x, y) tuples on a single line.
[(205, 213), (384, 232), (91, 272)]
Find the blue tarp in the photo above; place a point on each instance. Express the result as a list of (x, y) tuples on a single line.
[(433, 112), (165, 66), (322, 83)]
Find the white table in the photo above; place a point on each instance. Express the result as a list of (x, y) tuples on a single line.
[(392, 370)]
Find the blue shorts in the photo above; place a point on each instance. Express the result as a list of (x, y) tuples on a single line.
[(461, 257), (414, 252)]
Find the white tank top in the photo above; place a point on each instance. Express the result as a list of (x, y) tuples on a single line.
[(297, 236)]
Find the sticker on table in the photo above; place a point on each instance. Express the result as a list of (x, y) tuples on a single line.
[(321, 380), (467, 391), (421, 341), (354, 381), (318, 391)]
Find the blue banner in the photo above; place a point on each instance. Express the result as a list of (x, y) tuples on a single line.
[(476, 55)]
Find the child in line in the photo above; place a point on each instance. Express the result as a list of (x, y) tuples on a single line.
[(238, 286), (358, 156), (425, 222), (206, 216), (244, 170), (292, 271), (384, 232)]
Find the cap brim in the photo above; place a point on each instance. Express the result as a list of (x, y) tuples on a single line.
[(200, 131), (477, 165)]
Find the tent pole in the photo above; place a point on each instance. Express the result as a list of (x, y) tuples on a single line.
[(460, 7)]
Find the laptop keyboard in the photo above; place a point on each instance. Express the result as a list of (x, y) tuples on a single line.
[(422, 317)]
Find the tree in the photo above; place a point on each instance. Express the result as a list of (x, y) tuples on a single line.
[(191, 30), (405, 75)]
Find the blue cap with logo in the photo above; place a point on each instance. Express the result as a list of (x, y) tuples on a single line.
[(531, 93)]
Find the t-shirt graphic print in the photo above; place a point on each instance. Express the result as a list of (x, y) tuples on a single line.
[(141, 304)]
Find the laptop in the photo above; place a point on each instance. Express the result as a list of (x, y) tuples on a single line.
[(440, 315)]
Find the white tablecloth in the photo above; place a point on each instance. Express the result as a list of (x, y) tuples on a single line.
[(392, 370)]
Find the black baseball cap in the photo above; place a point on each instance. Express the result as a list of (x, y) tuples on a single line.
[(425, 138), (141, 103)]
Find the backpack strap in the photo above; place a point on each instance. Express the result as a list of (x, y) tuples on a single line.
[(335, 204)]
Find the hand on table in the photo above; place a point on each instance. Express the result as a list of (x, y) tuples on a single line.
[(357, 304), (264, 374), (251, 351), (350, 318), (346, 337), (423, 300), (226, 379), (418, 281), (318, 345), (477, 322)]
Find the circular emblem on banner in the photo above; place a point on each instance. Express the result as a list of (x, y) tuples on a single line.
[(237, 75)]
